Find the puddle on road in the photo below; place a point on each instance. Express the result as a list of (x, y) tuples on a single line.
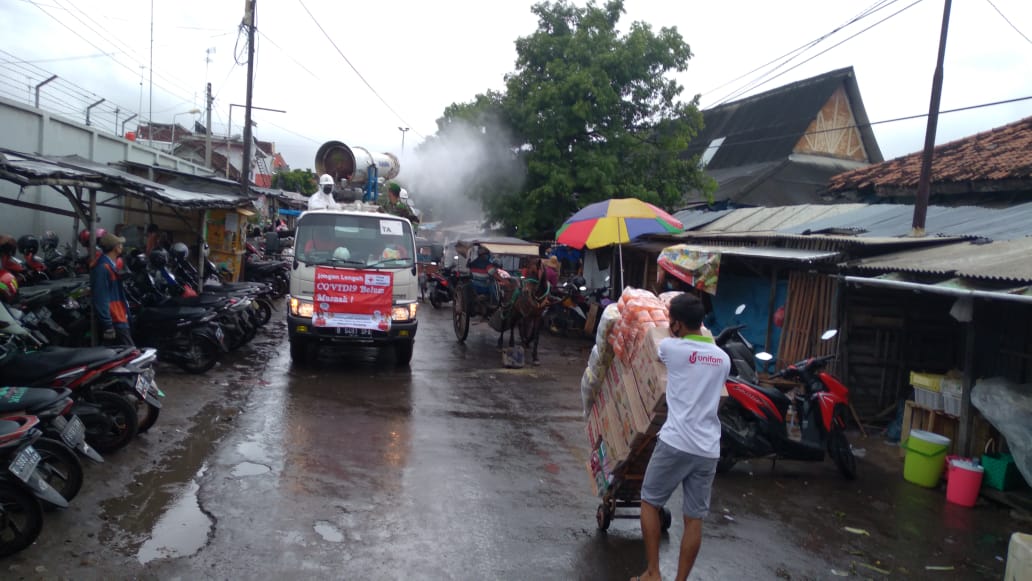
[(329, 532), (249, 469), (182, 530)]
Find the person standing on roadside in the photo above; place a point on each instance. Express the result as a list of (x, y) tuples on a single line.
[(688, 445), (109, 300)]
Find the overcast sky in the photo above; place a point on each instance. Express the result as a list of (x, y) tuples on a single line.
[(420, 56)]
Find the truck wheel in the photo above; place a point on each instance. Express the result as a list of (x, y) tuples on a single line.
[(298, 351), (403, 353)]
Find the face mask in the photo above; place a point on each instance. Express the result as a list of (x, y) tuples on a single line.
[(327, 189)]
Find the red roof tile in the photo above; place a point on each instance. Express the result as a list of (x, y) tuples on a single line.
[(998, 154)]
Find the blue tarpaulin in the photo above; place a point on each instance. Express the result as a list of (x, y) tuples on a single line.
[(754, 293)]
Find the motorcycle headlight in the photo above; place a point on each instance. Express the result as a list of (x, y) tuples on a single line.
[(301, 307), (405, 312)]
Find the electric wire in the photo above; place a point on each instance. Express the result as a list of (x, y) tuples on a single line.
[(286, 54), (353, 68), (112, 38), (863, 125), (116, 61), (847, 39), (1007, 20), (870, 10)]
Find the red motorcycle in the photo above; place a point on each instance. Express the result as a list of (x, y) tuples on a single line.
[(757, 422)]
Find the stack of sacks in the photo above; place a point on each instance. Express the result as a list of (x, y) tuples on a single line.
[(599, 360), (627, 405)]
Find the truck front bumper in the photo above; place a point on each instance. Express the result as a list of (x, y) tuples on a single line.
[(301, 328)]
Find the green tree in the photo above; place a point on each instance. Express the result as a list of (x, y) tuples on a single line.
[(590, 114), (302, 181)]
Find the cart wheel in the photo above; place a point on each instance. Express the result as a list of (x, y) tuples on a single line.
[(665, 518), (603, 517), (460, 313)]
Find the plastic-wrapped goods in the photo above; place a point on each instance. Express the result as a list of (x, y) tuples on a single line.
[(669, 296), (610, 315), (587, 391), (640, 311)]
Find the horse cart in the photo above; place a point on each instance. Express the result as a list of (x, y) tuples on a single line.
[(488, 292)]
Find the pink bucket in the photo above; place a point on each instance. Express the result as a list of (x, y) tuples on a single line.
[(965, 480)]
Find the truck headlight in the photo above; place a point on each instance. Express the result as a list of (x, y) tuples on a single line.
[(301, 307), (404, 312)]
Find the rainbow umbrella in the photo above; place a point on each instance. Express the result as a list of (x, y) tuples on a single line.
[(615, 221)]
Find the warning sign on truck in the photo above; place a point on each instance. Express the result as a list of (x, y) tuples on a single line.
[(353, 299)]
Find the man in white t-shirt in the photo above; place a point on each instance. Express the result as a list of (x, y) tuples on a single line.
[(688, 446)]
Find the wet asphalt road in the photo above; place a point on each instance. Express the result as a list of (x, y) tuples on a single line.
[(456, 468)]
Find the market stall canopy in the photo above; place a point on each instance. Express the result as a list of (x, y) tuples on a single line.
[(698, 267), (74, 171), (500, 245)]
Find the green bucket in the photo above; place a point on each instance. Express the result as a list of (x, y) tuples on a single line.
[(926, 458)]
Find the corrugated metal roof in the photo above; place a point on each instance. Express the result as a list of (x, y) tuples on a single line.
[(38, 170), (776, 219), (693, 219), (882, 220), (1006, 260), (767, 252)]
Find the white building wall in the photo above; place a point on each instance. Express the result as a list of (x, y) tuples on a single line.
[(25, 129)]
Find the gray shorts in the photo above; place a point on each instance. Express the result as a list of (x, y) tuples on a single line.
[(669, 467)]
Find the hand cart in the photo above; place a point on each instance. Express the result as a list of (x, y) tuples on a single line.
[(625, 490)]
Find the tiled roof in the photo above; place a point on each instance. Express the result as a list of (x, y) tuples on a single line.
[(1004, 153)]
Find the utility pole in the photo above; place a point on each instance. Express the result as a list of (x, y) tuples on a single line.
[(924, 184), (403, 130), (207, 129), (245, 166)]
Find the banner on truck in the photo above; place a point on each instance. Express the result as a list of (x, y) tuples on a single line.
[(353, 299)]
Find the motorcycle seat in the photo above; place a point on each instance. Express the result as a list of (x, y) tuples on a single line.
[(204, 300), (780, 399), (30, 399), (172, 312), (267, 266), (9, 427), (29, 368)]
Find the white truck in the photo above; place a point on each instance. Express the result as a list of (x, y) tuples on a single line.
[(353, 278)]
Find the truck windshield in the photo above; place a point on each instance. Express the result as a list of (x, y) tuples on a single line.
[(356, 241)]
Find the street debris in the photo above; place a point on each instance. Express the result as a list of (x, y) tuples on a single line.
[(857, 531), (938, 567), (873, 568)]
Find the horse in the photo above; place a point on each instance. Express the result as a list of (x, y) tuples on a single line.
[(530, 305)]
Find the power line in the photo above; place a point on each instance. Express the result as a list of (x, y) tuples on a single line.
[(836, 45), (116, 61), (870, 10), (1002, 15), (382, 100), (860, 126), (285, 53), (130, 51)]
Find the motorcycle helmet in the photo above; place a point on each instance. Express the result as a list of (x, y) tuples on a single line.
[(50, 240), (179, 249), (341, 253), (158, 258), (8, 286), (28, 244), (7, 244), (137, 262), (84, 236)]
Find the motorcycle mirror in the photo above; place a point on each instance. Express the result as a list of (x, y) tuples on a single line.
[(764, 356), (583, 288), (740, 309), (607, 279), (829, 334)]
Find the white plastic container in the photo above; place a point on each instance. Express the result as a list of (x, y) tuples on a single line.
[(928, 399)]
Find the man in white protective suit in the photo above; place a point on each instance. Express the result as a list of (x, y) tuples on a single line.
[(323, 198)]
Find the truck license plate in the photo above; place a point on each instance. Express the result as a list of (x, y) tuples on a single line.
[(349, 332), (24, 463)]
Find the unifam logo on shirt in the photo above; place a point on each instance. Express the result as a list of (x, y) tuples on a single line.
[(704, 359)]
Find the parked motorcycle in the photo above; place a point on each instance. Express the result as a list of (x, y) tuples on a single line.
[(261, 294), (440, 286), (740, 349), (756, 421), (22, 485), (53, 407)]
